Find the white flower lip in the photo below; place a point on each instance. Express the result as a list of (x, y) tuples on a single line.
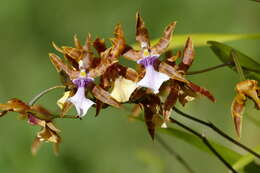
[(152, 78), (79, 100), (81, 103)]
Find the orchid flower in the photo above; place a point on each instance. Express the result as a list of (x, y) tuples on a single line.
[(152, 79), (79, 100), (148, 55)]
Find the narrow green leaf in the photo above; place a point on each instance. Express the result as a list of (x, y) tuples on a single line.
[(249, 65), (245, 160), (230, 155), (178, 41)]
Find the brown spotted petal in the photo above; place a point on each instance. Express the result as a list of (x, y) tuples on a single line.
[(172, 97), (104, 96), (118, 43), (188, 56), (164, 41), (132, 54), (60, 66), (142, 35), (149, 117), (171, 72), (88, 54), (202, 91), (186, 94), (151, 104)]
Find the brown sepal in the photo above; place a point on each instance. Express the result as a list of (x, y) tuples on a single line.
[(104, 96), (165, 40), (59, 65), (171, 72), (142, 35), (188, 56), (202, 91)]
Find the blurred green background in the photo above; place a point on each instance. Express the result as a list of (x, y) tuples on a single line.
[(110, 143)]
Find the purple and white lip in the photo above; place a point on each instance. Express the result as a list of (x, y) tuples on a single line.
[(152, 79), (79, 100)]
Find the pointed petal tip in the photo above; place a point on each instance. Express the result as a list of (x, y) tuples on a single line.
[(238, 123)]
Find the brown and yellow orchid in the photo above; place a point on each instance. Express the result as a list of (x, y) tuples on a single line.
[(248, 89)]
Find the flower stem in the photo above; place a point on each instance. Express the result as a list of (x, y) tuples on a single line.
[(217, 130), (38, 96), (210, 68), (238, 66), (206, 142), (174, 153)]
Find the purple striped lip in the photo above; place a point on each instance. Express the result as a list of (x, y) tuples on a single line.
[(82, 81), (147, 61)]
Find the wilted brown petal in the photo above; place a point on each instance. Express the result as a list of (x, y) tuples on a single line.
[(15, 105), (164, 41), (35, 146), (237, 109), (250, 89)]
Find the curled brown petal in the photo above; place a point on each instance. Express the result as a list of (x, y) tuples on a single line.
[(74, 53), (57, 47), (164, 41), (249, 88), (77, 42)]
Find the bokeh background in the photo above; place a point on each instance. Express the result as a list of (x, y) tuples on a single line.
[(110, 143)]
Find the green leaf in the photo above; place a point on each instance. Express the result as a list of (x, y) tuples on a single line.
[(178, 41), (245, 160), (223, 52), (230, 155)]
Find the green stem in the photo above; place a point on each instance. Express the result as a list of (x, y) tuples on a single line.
[(210, 68), (174, 153), (238, 66), (38, 96)]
